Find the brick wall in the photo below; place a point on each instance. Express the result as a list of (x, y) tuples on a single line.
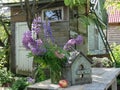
[(113, 34)]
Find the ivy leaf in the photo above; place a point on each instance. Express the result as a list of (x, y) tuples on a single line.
[(78, 1), (67, 2), (74, 2)]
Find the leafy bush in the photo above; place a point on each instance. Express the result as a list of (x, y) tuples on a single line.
[(5, 76), (20, 84), (101, 62), (2, 57), (116, 53)]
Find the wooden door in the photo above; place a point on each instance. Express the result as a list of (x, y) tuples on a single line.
[(23, 63)]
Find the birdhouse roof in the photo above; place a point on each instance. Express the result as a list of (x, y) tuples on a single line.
[(74, 58)]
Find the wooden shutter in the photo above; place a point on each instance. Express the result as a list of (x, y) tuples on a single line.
[(91, 38), (95, 43)]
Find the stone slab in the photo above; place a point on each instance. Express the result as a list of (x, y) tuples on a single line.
[(102, 79)]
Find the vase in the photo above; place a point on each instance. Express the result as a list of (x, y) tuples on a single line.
[(55, 76)]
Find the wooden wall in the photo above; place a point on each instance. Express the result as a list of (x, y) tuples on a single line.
[(60, 28), (113, 33), (17, 14)]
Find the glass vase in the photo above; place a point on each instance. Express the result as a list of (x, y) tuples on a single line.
[(55, 76)]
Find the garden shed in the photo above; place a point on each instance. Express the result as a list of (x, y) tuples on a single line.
[(64, 26)]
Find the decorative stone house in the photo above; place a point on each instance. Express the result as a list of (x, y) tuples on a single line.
[(63, 25)]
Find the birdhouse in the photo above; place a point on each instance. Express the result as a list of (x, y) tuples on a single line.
[(78, 69)]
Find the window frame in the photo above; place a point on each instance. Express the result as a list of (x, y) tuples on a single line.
[(52, 9)]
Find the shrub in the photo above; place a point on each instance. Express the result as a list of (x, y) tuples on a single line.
[(3, 60), (21, 83), (116, 53), (6, 77), (101, 62)]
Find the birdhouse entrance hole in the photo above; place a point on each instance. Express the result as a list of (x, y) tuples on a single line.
[(81, 67)]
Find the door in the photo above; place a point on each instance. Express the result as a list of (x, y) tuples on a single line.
[(23, 63)]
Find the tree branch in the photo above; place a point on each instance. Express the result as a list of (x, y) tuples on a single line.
[(5, 28)]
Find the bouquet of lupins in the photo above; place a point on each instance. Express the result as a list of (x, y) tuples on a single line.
[(46, 51)]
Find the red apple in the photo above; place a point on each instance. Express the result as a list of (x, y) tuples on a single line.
[(63, 83)]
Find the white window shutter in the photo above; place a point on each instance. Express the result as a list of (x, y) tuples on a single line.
[(95, 43), (101, 45), (91, 38)]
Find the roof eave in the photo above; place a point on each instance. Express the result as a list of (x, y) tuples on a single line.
[(18, 3)]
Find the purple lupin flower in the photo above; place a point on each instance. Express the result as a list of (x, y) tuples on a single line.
[(48, 31), (36, 24), (38, 50), (30, 80), (34, 45), (79, 39), (35, 51), (71, 42), (37, 47), (26, 39), (39, 42)]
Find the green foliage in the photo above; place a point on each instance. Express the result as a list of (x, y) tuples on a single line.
[(73, 3), (4, 42), (103, 12), (3, 60), (5, 76), (112, 3), (20, 84), (3, 35), (85, 19), (42, 73), (116, 53), (101, 62)]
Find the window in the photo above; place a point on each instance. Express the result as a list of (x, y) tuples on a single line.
[(53, 14)]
